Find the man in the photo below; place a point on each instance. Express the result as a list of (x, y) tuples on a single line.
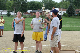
[(47, 20), (19, 32), (54, 28)]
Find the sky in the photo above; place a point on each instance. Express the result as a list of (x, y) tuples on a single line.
[(41, 0)]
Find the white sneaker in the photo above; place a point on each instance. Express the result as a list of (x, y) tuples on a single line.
[(51, 52)]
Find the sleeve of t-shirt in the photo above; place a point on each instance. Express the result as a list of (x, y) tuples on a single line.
[(54, 23)]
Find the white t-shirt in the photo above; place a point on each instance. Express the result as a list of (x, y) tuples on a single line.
[(55, 23)]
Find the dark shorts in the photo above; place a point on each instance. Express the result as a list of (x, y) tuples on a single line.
[(17, 37)]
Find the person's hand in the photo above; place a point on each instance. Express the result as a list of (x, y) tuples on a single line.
[(22, 34), (41, 27), (45, 20), (12, 27), (23, 19), (32, 27), (51, 37), (1, 22)]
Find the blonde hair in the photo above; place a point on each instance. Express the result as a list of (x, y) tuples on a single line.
[(20, 13)]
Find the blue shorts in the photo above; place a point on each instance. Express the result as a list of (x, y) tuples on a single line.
[(1, 27)]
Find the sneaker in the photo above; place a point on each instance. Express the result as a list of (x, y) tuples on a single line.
[(51, 52), (45, 39), (37, 51), (22, 52), (40, 52), (14, 52), (0, 36)]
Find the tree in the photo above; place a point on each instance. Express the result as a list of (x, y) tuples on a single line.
[(34, 5), (71, 11), (16, 6), (9, 5), (49, 4), (63, 5), (2, 5), (23, 7), (77, 4)]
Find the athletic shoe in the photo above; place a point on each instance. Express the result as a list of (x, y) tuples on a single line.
[(22, 52), (14, 52), (37, 51), (0, 36), (40, 52), (51, 52), (44, 39)]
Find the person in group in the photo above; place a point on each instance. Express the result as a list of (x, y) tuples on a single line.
[(60, 26), (19, 32), (48, 19), (36, 25), (2, 21), (54, 28), (13, 26)]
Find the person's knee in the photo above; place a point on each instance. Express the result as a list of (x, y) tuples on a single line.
[(36, 41), (21, 42), (59, 42), (16, 43), (39, 42)]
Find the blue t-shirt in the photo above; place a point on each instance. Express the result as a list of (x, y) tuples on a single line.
[(14, 22)]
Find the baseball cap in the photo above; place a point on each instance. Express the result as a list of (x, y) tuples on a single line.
[(54, 11)]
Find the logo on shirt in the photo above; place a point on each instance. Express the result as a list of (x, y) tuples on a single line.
[(39, 20)]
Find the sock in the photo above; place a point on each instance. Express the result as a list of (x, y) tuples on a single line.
[(51, 51), (39, 51)]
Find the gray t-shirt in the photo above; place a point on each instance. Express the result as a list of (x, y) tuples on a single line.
[(55, 23), (36, 24), (19, 26)]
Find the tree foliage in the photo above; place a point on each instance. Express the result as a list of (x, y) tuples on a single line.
[(71, 11)]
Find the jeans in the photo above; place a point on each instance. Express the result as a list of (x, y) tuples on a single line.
[(45, 35)]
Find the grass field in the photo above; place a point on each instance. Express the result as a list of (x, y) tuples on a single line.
[(68, 23)]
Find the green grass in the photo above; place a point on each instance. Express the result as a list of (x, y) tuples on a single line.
[(69, 23)]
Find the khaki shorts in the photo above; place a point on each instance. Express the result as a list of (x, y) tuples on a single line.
[(54, 42)]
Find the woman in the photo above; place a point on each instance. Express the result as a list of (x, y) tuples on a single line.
[(36, 25), (19, 32), (2, 21)]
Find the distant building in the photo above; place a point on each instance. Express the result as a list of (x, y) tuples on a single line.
[(63, 11), (4, 12), (77, 11)]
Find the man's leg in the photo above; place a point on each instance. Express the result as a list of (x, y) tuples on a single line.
[(22, 45), (0, 32), (59, 45), (16, 43), (56, 49)]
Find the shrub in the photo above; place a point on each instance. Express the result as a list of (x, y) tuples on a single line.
[(8, 13), (79, 14), (65, 14)]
